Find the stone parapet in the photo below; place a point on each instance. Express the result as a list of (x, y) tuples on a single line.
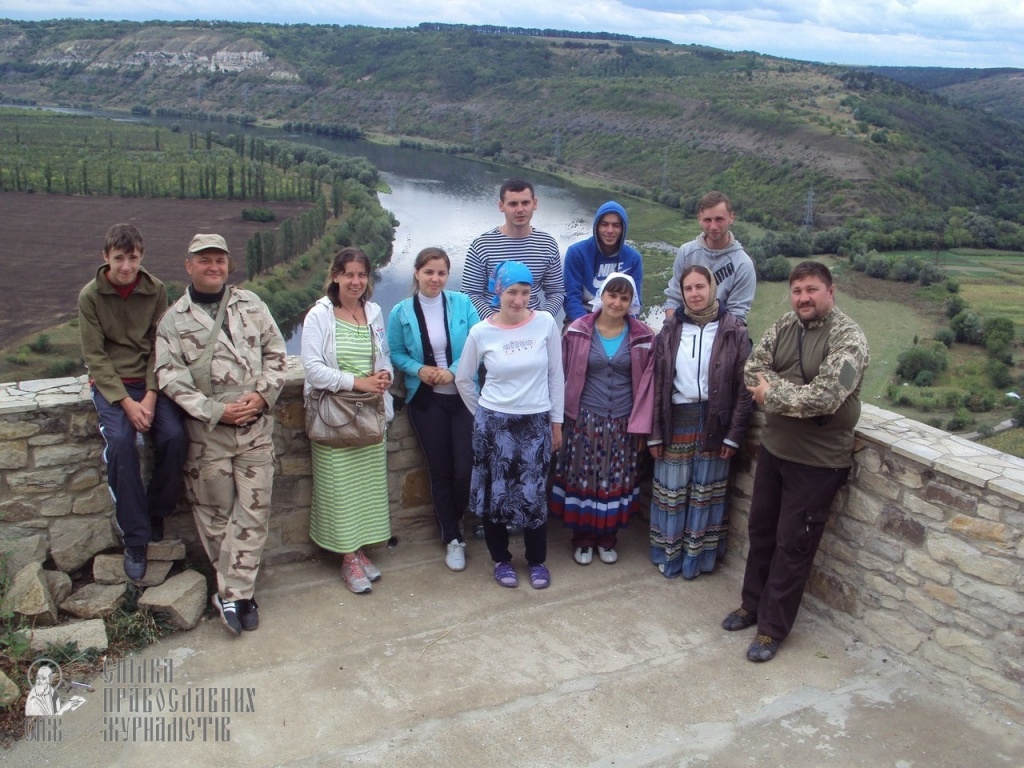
[(922, 556)]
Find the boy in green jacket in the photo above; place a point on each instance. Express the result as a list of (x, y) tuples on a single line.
[(118, 312)]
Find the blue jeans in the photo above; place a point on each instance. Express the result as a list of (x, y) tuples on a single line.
[(134, 503)]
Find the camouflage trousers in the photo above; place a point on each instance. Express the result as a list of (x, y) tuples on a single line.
[(229, 477)]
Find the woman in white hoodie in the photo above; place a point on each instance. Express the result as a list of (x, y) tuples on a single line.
[(344, 347)]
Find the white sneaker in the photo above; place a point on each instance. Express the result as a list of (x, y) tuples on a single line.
[(607, 555), (455, 555), (584, 555)]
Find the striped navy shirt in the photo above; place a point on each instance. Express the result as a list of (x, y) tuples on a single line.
[(538, 251)]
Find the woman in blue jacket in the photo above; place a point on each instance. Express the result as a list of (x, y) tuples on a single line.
[(426, 333)]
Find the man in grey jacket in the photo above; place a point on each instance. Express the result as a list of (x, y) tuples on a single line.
[(716, 249)]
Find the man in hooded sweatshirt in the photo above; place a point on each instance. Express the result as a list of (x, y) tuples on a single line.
[(716, 249), (589, 262)]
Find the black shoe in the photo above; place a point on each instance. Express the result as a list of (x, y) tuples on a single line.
[(135, 562), (514, 530), (156, 528), (739, 619), (763, 648), (228, 610), (478, 532), (249, 615)]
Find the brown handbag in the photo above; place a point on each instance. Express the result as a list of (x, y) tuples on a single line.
[(345, 419)]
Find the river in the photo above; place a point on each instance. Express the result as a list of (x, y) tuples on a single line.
[(439, 200)]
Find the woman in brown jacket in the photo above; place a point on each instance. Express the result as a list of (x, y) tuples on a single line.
[(701, 411)]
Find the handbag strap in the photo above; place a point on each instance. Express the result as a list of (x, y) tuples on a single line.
[(206, 359)]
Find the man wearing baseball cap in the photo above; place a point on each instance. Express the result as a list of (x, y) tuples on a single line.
[(221, 357)]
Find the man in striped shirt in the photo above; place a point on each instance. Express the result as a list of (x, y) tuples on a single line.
[(517, 240)]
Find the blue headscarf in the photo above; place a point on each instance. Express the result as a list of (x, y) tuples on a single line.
[(508, 273)]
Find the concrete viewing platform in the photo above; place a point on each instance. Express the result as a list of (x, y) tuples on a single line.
[(612, 665)]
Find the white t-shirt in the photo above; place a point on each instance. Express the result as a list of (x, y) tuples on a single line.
[(523, 364)]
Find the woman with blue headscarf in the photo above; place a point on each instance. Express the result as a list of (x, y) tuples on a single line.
[(517, 420)]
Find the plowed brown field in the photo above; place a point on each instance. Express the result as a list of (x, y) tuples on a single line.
[(51, 245)]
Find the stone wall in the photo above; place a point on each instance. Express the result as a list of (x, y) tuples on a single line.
[(53, 493), (922, 556), (923, 552)]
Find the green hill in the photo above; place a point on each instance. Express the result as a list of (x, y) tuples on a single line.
[(662, 120)]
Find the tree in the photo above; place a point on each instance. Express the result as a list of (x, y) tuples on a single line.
[(999, 335), (921, 358), (968, 327)]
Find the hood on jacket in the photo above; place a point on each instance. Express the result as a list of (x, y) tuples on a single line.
[(733, 246), (611, 207)]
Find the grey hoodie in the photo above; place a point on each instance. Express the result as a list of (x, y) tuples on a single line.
[(733, 270)]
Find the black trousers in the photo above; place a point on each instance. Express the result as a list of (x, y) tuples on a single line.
[(788, 513), (444, 427), (134, 503), (535, 539)]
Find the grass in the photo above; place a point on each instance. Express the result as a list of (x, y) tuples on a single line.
[(19, 362), (1011, 442), (890, 326)]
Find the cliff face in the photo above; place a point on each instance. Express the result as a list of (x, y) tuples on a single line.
[(188, 51)]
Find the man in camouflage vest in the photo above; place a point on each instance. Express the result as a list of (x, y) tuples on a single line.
[(221, 357), (806, 373)]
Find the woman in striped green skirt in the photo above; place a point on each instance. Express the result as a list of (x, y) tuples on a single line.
[(344, 347)]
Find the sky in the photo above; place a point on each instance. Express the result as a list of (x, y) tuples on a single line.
[(936, 33)]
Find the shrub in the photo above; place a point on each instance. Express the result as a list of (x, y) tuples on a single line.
[(945, 336), (980, 400), (924, 379), (952, 286), (1018, 414), (999, 334), (955, 305), (968, 328), (19, 358), (878, 266), (999, 374), (776, 269), (41, 344), (63, 368), (918, 359), (258, 214), (959, 421), (930, 274)]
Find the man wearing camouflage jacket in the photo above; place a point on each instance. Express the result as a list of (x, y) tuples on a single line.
[(229, 472), (806, 373)]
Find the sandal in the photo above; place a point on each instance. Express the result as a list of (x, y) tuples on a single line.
[(540, 578), (505, 575)]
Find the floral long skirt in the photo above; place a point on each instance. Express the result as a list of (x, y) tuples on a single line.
[(510, 467), (596, 486)]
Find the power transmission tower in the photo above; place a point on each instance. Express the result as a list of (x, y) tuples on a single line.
[(808, 221)]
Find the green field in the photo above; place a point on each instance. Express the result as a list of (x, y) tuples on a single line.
[(890, 327)]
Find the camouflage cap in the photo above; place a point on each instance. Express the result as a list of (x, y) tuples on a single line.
[(206, 242)]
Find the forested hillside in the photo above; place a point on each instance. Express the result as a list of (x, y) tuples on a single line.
[(661, 120)]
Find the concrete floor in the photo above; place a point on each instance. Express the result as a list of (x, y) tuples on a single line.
[(611, 666)]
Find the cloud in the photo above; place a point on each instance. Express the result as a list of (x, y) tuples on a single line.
[(983, 33)]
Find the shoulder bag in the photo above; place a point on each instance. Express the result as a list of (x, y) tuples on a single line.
[(346, 419)]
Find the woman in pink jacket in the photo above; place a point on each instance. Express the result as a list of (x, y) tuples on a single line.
[(608, 357)]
